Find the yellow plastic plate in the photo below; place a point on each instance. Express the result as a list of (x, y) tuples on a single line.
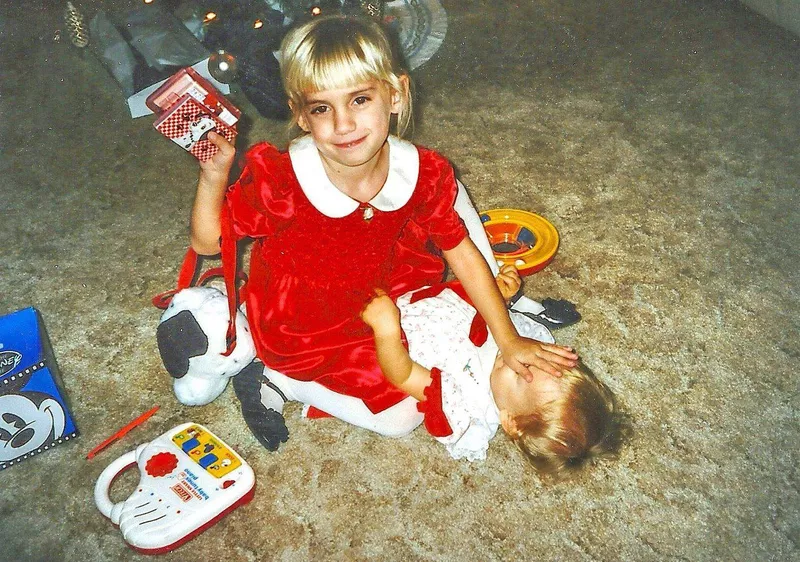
[(525, 240)]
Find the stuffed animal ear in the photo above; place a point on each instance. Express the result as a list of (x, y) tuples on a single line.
[(179, 339)]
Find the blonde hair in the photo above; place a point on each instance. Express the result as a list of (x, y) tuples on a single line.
[(581, 426), (331, 52)]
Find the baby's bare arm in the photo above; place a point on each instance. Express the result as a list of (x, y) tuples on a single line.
[(508, 281), (383, 317)]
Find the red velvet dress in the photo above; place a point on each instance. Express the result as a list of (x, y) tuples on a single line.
[(314, 266)]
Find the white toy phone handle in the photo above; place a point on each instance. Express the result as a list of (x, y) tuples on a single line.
[(101, 497)]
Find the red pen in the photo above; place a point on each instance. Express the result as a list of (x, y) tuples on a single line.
[(122, 432)]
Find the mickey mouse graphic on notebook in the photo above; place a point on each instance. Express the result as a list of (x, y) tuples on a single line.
[(29, 420)]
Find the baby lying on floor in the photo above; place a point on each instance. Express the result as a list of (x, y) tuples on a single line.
[(453, 368)]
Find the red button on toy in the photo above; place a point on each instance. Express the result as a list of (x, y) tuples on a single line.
[(161, 464)]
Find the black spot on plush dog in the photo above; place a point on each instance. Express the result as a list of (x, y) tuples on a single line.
[(179, 339)]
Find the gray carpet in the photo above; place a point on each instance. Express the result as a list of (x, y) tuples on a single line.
[(660, 137)]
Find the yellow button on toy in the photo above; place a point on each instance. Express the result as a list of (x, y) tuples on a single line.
[(525, 240)]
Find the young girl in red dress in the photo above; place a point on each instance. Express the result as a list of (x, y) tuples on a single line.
[(346, 209)]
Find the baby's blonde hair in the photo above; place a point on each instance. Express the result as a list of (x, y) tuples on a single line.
[(583, 425), (331, 52)]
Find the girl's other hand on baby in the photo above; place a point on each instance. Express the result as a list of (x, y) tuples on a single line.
[(526, 356), (219, 165)]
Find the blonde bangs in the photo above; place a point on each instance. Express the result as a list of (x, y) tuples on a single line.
[(331, 67)]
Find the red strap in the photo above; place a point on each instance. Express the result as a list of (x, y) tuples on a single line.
[(434, 418), (229, 269), (188, 269), (185, 277)]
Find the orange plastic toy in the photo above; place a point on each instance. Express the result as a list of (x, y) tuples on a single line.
[(525, 240)]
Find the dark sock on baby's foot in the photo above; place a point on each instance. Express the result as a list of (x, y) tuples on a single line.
[(262, 406), (556, 314), (561, 311)]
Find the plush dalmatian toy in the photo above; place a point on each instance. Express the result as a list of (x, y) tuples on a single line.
[(191, 341)]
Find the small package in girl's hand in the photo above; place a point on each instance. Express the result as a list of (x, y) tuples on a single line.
[(190, 107), (187, 124)]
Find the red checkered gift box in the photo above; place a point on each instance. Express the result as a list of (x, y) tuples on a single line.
[(187, 124), (189, 108)]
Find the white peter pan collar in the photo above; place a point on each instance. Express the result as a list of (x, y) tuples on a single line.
[(326, 197)]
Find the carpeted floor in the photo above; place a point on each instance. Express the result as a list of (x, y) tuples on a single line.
[(660, 137)]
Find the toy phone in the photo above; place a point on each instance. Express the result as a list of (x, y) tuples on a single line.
[(189, 480)]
